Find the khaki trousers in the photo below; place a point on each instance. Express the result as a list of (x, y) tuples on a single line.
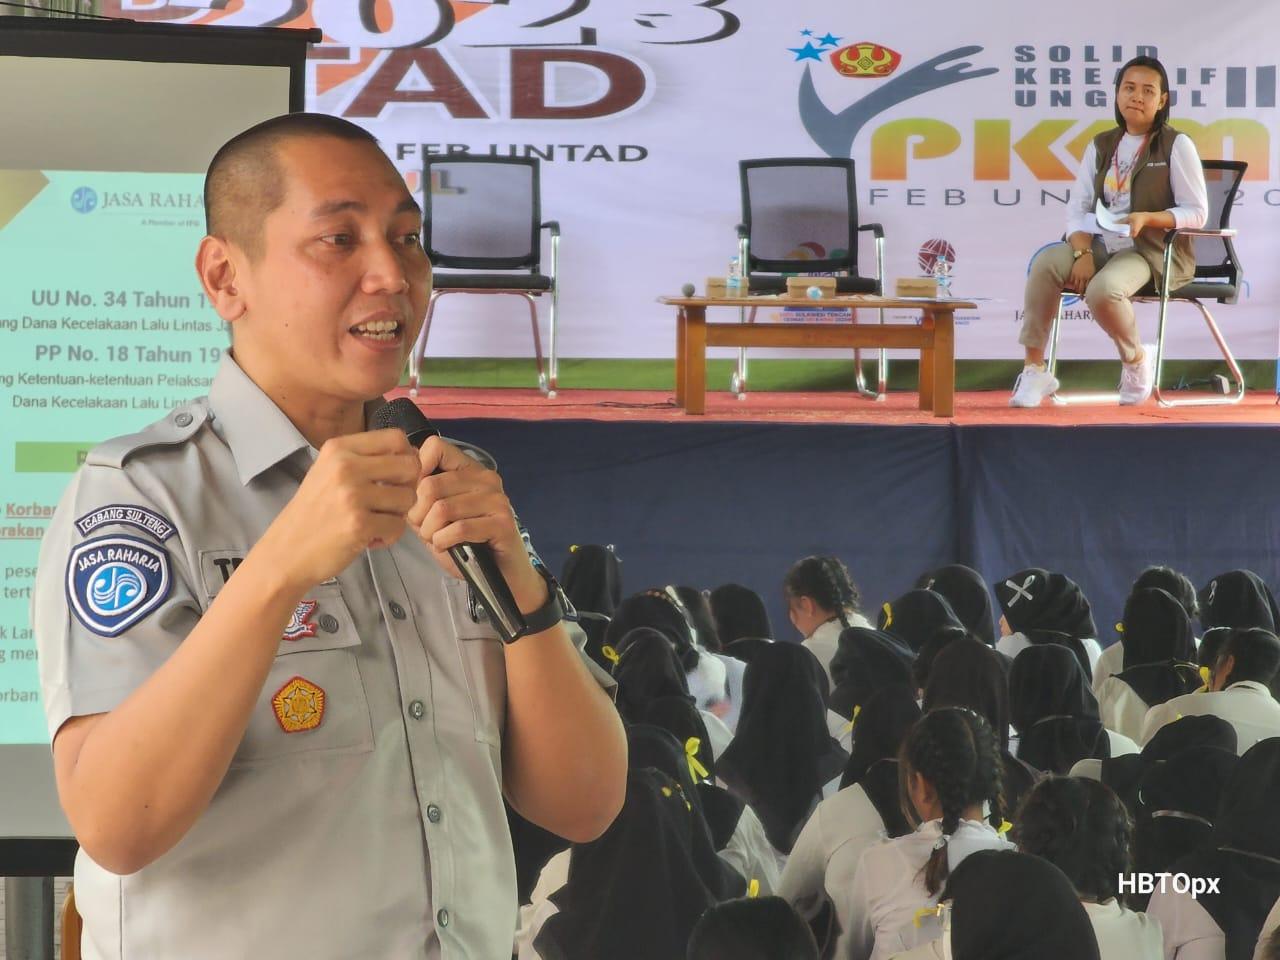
[(1119, 277)]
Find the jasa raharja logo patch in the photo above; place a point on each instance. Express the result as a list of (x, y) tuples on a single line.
[(865, 60)]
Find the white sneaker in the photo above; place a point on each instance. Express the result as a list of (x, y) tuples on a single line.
[(1034, 383), (1138, 379)]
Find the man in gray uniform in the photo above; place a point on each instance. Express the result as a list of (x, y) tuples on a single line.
[(280, 726)]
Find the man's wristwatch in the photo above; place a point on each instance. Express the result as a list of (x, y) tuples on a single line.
[(556, 608)]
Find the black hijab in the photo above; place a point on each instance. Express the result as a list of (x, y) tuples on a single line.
[(941, 639), (1054, 711), (1048, 608), (878, 734), (745, 648), (646, 671), (739, 612), (654, 608), (1124, 774), (1013, 906), (638, 890), (968, 673), (914, 616), (1177, 802), (592, 578), (782, 753), (1156, 629), (966, 591), (865, 661), (1245, 852), (1238, 598)]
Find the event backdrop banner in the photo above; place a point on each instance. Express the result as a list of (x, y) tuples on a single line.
[(966, 128)]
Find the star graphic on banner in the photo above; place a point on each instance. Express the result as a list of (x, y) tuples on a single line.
[(829, 40), (806, 33), (807, 52)]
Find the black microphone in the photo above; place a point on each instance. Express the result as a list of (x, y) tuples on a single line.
[(475, 561)]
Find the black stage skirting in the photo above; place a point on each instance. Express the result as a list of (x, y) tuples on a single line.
[(704, 504)]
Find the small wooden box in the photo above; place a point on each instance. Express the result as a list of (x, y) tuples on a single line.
[(915, 287), (799, 286), (716, 286)]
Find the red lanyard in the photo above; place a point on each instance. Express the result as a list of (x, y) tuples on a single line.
[(1115, 163)]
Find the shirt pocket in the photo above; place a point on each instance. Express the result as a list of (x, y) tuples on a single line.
[(314, 700), (484, 665)]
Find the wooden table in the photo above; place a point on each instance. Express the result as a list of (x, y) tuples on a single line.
[(934, 337)]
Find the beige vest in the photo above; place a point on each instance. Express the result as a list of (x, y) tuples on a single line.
[(1152, 191)]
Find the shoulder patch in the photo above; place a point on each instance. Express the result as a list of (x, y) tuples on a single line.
[(182, 423), (113, 582), (130, 515)]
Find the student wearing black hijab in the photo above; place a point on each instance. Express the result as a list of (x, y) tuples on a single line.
[(745, 648), (1243, 856), (1177, 803), (1238, 598), (1082, 828), (638, 890), (969, 674), (941, 639), (592, 580), (965, 590), (1055, 712), (646, 670), (739, 612), (1042, 607), (865, 661), (1159, 661), (1002, 905), (758, 928), (782, 757), (867, 808), (915, 616), (1177, 585)]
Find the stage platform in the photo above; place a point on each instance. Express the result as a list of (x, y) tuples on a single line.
[(1096, 492)]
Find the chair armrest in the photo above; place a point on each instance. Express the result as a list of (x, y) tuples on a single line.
[(553, 226), (875, 228), (742, 231), (1192, 232)]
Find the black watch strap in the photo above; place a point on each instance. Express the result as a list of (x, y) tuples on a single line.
[(556, 608)]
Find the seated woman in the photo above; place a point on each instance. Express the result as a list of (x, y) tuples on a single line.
[(1038, 606), (1009, 906), (1147, 175), (1177, 585), (822, 600), (1159, 661), (865, 811), (1055, 712), (1082, 828), (866, 661), (739, 612), (1238, 598), (592, 580), (915, 616), (950, 770), (966, 591)]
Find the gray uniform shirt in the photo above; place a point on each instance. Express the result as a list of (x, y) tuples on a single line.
[(362, 815)]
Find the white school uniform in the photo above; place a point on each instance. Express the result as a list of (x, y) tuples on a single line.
[(825, 641), (1269, 926), (825, 857), (888, 888), (1190, 933), (750, 853), (1125, 934), (1248, 706), (1120, 707), (1015, 643), (734, 671), (1109, 664)]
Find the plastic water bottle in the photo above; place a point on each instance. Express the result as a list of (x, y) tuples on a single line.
[(733, 282), (942, 275)]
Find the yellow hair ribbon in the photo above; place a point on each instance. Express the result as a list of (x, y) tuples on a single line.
[(666, 792), (1207, 676), (848, 727), (1005, 827), (574, 548), (753, 888), (696, 769), (924, 913), (610, 654), (888, 615), (1120, 627)]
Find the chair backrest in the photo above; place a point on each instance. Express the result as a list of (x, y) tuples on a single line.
[(482, 213), (1216, 257), (801, 215)]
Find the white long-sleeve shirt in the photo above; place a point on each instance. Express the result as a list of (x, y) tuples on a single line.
[(1248, 706), (1186, 175)]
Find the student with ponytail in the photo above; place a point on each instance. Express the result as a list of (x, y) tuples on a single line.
[(950, 775), (822, 601)]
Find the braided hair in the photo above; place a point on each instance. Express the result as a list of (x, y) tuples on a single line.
[(826, 581), (1083, 829), (957, 752)]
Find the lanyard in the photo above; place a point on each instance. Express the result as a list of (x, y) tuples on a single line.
[(1115, 163)]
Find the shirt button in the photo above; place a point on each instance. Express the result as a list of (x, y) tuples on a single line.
[(417, 710), (183, 419), (329, 623), (433, 813), (397, 611), (442, 918)]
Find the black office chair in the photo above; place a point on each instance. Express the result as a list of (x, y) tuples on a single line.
[(1218, 277), (800, 215), (483, 216)]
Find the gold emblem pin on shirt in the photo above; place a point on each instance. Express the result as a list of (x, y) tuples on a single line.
[(298, 705)]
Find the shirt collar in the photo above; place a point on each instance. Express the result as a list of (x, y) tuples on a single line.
[(257, 431), (1251, 685)]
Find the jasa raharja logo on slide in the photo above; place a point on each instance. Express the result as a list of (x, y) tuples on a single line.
[(84, 199)]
